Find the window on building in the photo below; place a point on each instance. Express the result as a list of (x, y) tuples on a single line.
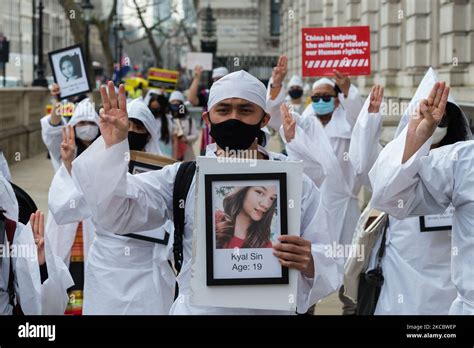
[(275, 17)]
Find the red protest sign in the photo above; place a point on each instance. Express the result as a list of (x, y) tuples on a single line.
[(346, 49)]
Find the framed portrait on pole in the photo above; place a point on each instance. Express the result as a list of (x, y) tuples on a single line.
[(70, 71)]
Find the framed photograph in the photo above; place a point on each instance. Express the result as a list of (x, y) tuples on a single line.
[(218, 186), (69, 71), (437, 222), (232, 256), (245, 216), (141, 162)]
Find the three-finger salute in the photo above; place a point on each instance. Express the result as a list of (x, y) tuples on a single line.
[(113, 116)]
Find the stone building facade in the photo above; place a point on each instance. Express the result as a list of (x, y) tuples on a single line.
[(247, 33), (16, 23)]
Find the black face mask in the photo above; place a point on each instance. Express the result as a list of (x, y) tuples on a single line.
[(234, 134), (137, 141), (295, 93)]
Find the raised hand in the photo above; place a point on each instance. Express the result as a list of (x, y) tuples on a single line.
[(37, 226), (55, 90), (288, 122), (343, 82), (430, 111), (197, 71), (113, 116), (279, 72), (376, 96), (427, 117), (56, 112), (68, 147)]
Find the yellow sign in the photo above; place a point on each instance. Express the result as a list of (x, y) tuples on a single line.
[(65, 110), (131, 83)]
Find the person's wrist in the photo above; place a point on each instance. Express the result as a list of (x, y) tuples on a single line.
[(275, 85)]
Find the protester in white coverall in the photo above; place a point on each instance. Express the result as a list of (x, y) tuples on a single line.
[(408, 179), (336, 147), (122, 202), (40, 277), (122, 275)]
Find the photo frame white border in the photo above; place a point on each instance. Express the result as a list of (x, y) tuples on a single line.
[(83, 61), (280, 297)]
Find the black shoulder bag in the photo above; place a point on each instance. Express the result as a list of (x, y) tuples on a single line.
[(370, 283), (182, 184)]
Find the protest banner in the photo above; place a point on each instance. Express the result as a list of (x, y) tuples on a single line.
[(346, 49), (199, 58)]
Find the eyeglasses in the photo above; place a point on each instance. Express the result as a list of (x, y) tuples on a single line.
[(325, 98)]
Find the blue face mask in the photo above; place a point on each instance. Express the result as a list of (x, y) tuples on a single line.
[(323, 108)]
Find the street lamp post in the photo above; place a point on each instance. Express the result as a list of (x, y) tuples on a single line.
[(120, 34), (40, 80), (209, 39), (116, 43)]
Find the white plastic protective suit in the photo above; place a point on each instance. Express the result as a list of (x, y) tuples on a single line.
[(428, 183)]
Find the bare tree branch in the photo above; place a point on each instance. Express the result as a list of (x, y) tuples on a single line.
[(105, 27)]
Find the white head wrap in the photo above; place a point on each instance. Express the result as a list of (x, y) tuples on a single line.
[(177, 95), (295, 81), (239, 84), (324, 81), (149, 94), (138, 110), (219, 72), (8, 201), (84, 111)]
